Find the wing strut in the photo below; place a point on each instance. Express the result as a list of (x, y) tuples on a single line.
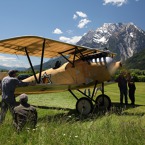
[(91, 96), (31, 65), (41, 63), (94, 89), (42, 56), (66, 59), (76, 51)]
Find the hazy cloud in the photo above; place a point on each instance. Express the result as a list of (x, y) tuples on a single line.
[(69, 31), (75, 16), (115, 2), (72, 40), (8, 61), (14, 61), (83, 23), (4, 58), (57, 31)]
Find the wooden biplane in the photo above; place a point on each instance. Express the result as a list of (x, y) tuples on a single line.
[(85, 67)]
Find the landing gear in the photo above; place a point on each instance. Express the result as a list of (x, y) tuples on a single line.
[(103, 102), (84, 106)]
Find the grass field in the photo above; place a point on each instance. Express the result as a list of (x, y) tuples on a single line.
[(59, 123)]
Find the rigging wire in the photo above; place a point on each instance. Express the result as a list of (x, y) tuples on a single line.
[(21, 63)]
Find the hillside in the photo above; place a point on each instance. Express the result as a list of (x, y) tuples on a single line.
[(52, 63), (137, 61), (4, 68)]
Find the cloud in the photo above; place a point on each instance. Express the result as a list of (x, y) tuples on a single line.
[(10, 65), (83, 19), (83, 23), (115, 2), (13, 61), (81, 14), (7, 61), (75, 16), (4, 58), (72, 40), (69, 31), (57, 31)]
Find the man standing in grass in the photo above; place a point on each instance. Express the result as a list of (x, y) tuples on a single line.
[(24, 114), (122, 84), (8, 86)]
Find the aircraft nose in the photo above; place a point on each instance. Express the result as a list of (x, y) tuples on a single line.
[(114, 67), (120, 64)]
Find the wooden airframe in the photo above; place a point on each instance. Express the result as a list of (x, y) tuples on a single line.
[(85, 67)]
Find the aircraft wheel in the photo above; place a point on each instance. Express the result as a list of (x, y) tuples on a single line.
[(84, 106), (103, 102)]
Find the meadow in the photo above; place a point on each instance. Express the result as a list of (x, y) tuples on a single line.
[(59, 123)]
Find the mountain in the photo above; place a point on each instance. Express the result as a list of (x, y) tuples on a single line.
[(52, 63), (123, 39), (137, 61), (5, 68)]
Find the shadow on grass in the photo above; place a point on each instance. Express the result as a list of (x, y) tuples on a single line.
[(53, 108), (70, 115), (123, 109)]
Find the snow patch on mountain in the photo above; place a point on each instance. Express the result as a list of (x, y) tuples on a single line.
[(125, 39)]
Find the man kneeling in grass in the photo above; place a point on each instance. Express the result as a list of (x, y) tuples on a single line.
[(24, 114)]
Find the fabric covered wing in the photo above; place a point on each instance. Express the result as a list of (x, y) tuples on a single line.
[(52, 48)]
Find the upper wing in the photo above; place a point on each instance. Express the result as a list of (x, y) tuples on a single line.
[(52, 48)]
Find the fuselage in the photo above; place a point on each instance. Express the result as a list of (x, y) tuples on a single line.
[(83, 74)]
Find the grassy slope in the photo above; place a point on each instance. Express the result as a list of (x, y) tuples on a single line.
[(61, 125), (136, 61)]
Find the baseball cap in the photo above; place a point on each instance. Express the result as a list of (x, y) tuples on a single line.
[(11, 72), (23, 98)]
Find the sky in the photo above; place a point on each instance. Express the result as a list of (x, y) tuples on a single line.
[(62, 20)]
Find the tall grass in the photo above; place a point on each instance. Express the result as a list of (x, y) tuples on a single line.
[(59, 123)]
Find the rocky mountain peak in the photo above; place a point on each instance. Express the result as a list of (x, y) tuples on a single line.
[(125, 39)]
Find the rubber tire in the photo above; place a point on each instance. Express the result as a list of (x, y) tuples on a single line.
[(84, 106), (99, 102)]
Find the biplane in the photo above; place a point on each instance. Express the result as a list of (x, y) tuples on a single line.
[(85, 68)]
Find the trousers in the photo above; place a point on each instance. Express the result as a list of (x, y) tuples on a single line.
[(5, 105)]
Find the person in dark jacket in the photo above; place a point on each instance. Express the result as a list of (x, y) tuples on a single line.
[(8, 86), (24, 114), (122, 84), (132, 88)]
